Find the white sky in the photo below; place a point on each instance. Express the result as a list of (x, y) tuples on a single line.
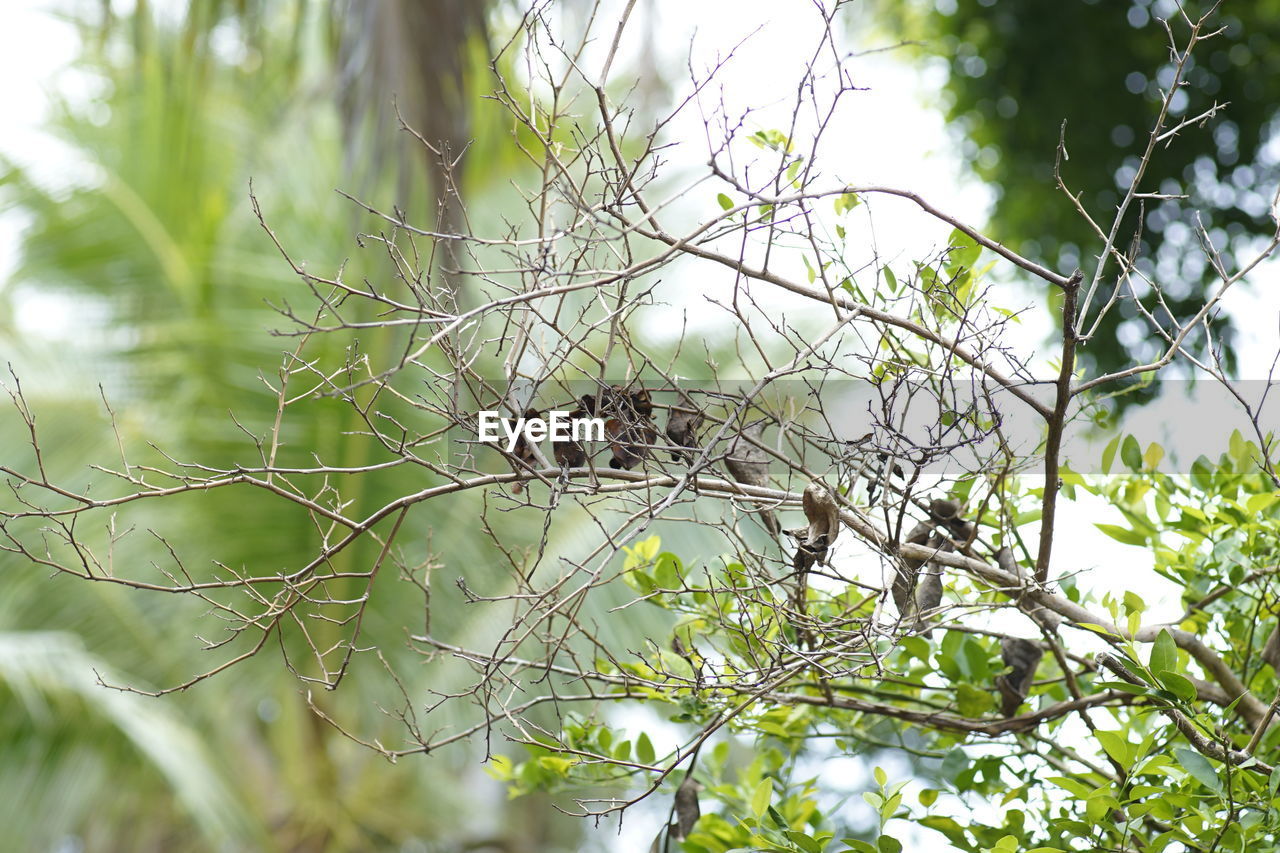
[(33, 47)]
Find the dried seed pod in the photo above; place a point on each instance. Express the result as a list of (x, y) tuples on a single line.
[(1022, 657), (1007, 563), (913, 591), (641, 403), (524, 451), (571, 454), (630, 433), (630, 443), (948, 514), (928, 594), (944, 510), (682, 430), (749, 464), (686, 807), (814, 541), (908, 569), (823, 515)]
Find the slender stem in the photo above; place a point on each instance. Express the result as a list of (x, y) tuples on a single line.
[(1057, 423)]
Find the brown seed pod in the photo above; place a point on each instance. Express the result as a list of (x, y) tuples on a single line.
[(908, 569), (571, 454), (630, 434), (683, 424), (641, 403), (1008, 563), (823, 515), (914, 591), (948, 514), (815, 541), (523, 450), (928, 595), (749, 464), (686, 807), (1022, 657)]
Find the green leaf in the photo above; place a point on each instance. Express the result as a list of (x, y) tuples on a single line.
[(1164, 653), (888, 844), (640, 581), (645, 550), (559, 765), (760, 797), (973, 701), (890, 808), (792, 171), (1240, 449), (1122, 534), (666, 571), (953, 831), (1116, 745), (852, 289), (1131, 453), (1202, 474), (772, 138), (858, 845), (1199, 767), (804, 842), (964, 254), (499, 768), (1109, 454), (1152, 457), (726, 203), (1258, 503), (1075, 786), (956, 762), (644, 749), (1177, 684), (846, 202), (890, 279)]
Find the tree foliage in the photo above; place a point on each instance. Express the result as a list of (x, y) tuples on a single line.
[(1024, 77)]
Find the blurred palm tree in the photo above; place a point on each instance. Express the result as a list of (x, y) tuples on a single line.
[(149, 251), (420, 56)]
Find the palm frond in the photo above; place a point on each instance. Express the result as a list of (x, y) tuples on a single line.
[(44, 670)]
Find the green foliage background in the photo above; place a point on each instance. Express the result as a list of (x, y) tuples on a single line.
[(1017, 71)]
